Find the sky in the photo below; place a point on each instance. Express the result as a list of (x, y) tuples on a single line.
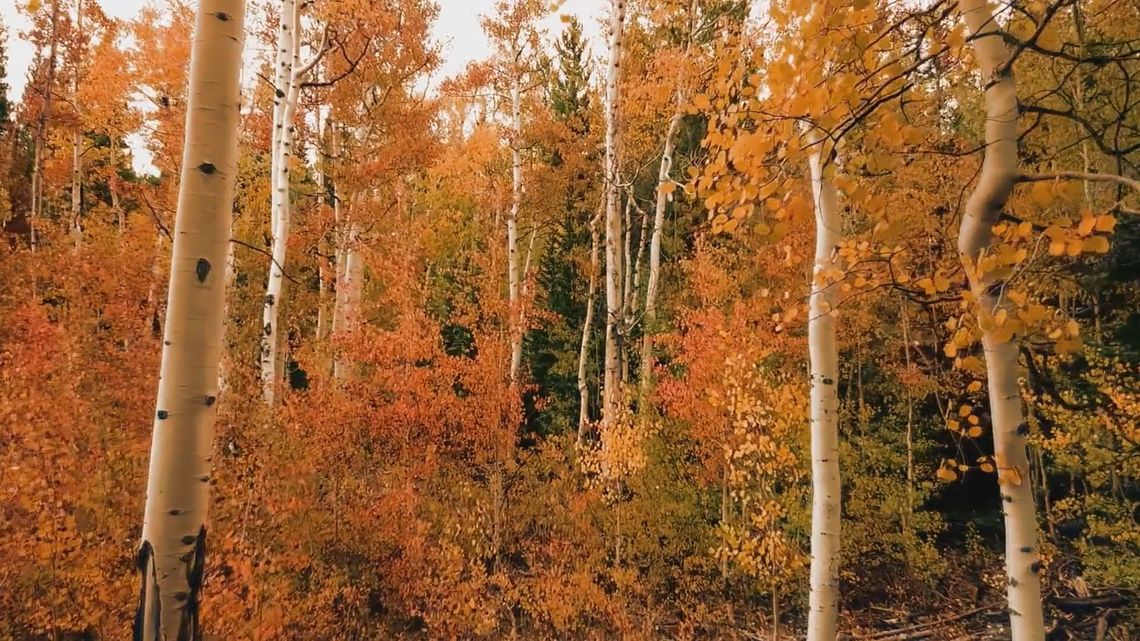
[(457, 30)]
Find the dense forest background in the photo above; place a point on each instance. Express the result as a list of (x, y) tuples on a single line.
[(434, 420)]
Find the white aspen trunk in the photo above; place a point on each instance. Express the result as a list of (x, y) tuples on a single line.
[(37, 182), (659, 205), (77, 142), (282, 75), (995, 183), (113, 187), (823, 598), (588, 328), (513, 285), (281, 203), (611, 384), (625, 285), (76, 189), (231, 271), (352, 283), (285, 109), (172, 553)]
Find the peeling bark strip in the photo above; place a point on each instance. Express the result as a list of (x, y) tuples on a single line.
[(996, 181), (172, 553), (823, 598)]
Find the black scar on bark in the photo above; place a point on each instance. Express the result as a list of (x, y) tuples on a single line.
[(162, 415), (210, 400), (1023, 429), (268, 329), (828, 381), (223, 16), (146, 554), (207, 168), (188, 628), (202, 269)]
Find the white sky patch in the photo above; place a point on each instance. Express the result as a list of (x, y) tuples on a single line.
[(457, 30)]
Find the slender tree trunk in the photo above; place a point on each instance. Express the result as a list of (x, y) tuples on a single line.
[(285, 109), (659, 205), (281, 199), (588, 327), (909, 418), (349, 295), (171, 557), (37, 183), (823, 599), (77, 139), (113, 187), (513, 284), (995, 183), (611, 392)]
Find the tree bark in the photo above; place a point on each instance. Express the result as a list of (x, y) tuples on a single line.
[(172, 553), (660, 203), (995, 183), (37, 181), (77, 139), (513, 284), (588, 327), (280, 198), (823, 598), (611, 385)]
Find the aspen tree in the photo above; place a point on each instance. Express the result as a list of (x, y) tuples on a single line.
[(611, 392), (77, 135), (37, 182), (588, 326), (171, 556), (995, 183), (283, 133), (513, 285), (823, 598)]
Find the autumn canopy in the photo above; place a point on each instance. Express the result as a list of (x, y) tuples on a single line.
[(738, 320)]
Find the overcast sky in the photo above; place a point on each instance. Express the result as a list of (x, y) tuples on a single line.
[(457, 29)]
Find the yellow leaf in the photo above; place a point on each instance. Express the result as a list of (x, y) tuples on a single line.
[(1042, 194), (1085, 227), (987, 467), (1105, 223), (976, 386), (946, 474), (1095, 244), (1056, 248), (701, 102), (974, 432), (965, 410), (667, 188)]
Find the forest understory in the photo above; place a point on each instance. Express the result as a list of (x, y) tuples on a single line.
[(663, 319)]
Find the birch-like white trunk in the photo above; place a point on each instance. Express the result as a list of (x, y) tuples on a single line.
[(823, 597), (289, 52), (285, 109), (975, 237), (513, 285), (349, 292), (171, 556), (77, 142), (37, 182), (654, 282), (611, 392), (588, 327)]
